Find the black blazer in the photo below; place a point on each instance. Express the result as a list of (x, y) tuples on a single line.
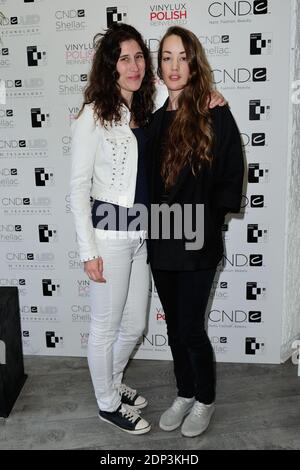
[(219, 188)]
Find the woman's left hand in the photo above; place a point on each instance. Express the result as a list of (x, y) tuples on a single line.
[(217, 99)]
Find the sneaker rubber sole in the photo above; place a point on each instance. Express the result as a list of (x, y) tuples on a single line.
[(138, 431), (199, 431), (138, 407), (174, 426)]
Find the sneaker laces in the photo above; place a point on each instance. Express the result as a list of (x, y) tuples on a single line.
[(129, 413), (178, 402), (131, 407), (127, 391), (199, 408)]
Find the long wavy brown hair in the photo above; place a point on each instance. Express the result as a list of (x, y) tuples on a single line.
[(102, 89), (190, 136)]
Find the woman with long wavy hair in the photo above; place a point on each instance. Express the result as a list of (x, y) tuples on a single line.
[(196, 164), (108, 164)]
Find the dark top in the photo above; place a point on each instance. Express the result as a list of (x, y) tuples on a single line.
[(218, 188), (123, 217), (161, 192)]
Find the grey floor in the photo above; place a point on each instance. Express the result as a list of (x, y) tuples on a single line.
[(258, 407)]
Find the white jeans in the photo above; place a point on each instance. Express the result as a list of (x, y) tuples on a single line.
[(118, 312)]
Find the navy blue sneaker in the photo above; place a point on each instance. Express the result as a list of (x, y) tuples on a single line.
[(126, 419), (130, 397)]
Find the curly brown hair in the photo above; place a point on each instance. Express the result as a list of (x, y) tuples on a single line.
[(190, 136), (102, 89)]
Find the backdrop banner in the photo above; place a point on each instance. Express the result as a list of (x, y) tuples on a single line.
[(45, 57)]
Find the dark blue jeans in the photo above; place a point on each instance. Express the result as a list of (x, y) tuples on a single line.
[(184, 296)]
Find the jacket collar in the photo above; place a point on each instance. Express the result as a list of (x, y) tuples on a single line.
[(125, 114)]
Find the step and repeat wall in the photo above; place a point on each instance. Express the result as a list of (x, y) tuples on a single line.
[(45, 57)]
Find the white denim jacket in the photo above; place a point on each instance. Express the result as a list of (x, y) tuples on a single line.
[(104, 166)]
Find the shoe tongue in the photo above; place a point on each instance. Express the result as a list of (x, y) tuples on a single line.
[(127, 409), (199, 407)]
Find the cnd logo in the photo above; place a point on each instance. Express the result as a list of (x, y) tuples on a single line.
[(115, 15), (238, 8)]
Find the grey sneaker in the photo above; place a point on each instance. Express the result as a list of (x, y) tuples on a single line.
[(198, 419), (173, 416)]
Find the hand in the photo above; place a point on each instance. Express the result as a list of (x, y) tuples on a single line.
[(94, 269), (216, 99)]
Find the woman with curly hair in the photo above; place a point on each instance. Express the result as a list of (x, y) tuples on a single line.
[(109, 164), (197, 162)]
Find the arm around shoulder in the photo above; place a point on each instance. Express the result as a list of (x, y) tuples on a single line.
[(230, 164)]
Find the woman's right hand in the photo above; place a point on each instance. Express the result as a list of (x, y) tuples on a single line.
[(94, 269)]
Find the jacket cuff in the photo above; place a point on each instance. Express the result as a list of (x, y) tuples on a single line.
[(88, 258), (231, 202)]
